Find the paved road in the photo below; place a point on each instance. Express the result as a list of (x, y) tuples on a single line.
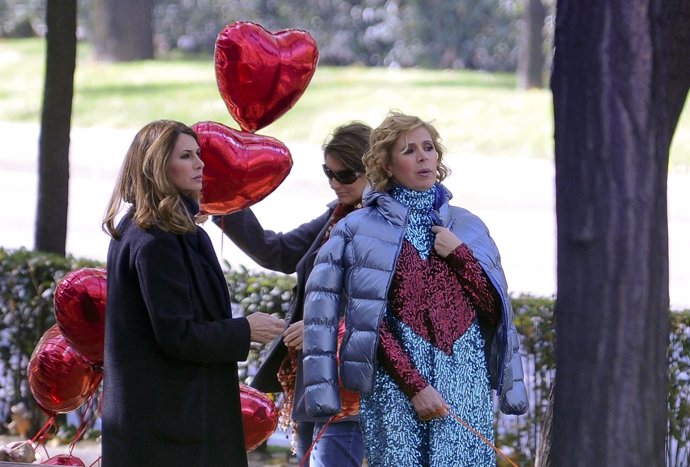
[(514, 197)]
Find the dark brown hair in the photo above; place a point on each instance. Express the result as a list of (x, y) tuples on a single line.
[(348, 143)]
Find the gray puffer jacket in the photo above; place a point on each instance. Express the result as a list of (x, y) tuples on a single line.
[(352, 274)]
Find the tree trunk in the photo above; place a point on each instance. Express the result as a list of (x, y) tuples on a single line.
[(611, 128), (678, 17), (56, 115), (121, 30), (530, 67)]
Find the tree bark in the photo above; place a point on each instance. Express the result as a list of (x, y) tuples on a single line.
[(612, 142), (56, 115), (530, 67), (121, 30)]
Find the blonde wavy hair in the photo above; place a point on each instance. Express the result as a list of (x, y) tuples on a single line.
[(383, 139), (143, 182)]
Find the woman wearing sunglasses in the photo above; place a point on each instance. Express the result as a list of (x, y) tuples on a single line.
[(341, 442)]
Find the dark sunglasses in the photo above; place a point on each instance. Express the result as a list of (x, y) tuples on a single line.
[(345, 177)]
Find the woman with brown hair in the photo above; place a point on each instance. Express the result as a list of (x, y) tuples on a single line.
[(340, 443), (171, 390)]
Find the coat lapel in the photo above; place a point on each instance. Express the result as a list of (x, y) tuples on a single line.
[(213, 304)]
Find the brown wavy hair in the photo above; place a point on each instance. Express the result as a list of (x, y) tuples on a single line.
[(383, 139), (143, 182)]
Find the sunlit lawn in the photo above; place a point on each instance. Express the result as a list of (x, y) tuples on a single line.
[(476, 112)]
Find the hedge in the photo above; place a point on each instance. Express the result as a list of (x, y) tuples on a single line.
[(27, 282)]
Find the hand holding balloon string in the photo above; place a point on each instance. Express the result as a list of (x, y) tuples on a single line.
[(428, 404), (264, 327)]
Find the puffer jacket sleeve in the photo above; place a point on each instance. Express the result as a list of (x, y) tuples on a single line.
[(321, 319), (514, 401)]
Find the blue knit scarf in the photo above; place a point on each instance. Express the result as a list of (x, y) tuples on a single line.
[(420, 216)]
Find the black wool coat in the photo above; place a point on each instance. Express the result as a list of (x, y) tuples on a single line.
[(171, 391)]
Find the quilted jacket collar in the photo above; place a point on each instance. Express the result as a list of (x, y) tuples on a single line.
[(397, 213)]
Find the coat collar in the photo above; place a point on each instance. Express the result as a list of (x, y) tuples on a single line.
[(396, 212), (191, 204)]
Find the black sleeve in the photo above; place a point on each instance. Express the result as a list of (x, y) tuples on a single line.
[(276, 251)]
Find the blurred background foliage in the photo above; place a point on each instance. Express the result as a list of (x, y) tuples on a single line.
[(457, 34)]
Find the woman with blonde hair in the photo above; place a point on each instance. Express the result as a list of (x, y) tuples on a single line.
[(171, 390), (428, 320)]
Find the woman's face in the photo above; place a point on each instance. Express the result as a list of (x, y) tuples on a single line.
[(185, 168), (414, 160), (347, 193)]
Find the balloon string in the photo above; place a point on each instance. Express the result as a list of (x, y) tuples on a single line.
[(83, 424), (39, 438), (222, 234), (483, 438), (48, 424), (316, 440), (99, 410)]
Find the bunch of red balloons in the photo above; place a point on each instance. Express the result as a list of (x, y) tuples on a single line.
[(260, 76), (65, 368)]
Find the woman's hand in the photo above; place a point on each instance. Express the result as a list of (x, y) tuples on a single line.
[(264, 327), (428, 404), (445, 242), (294, 335)]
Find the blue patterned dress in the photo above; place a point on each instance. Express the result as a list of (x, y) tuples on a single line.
[(430, 336)]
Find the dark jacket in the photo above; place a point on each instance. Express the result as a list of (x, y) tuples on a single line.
[(171, 393), (289, 252), (354, 269)]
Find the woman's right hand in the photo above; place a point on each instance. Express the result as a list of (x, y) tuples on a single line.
[(294, 335), (264, 327), (428, 404)]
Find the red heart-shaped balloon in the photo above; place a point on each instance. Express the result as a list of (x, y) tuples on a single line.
[(64, 459), (80, 311), (259, 416), (60, 379), (240, 168), (261, 75)]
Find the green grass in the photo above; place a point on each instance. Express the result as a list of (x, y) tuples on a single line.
[(475, 112)]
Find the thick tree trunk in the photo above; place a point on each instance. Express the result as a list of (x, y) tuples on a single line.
[(121, 30), (53, 157), (611, 129), (530, 68)]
